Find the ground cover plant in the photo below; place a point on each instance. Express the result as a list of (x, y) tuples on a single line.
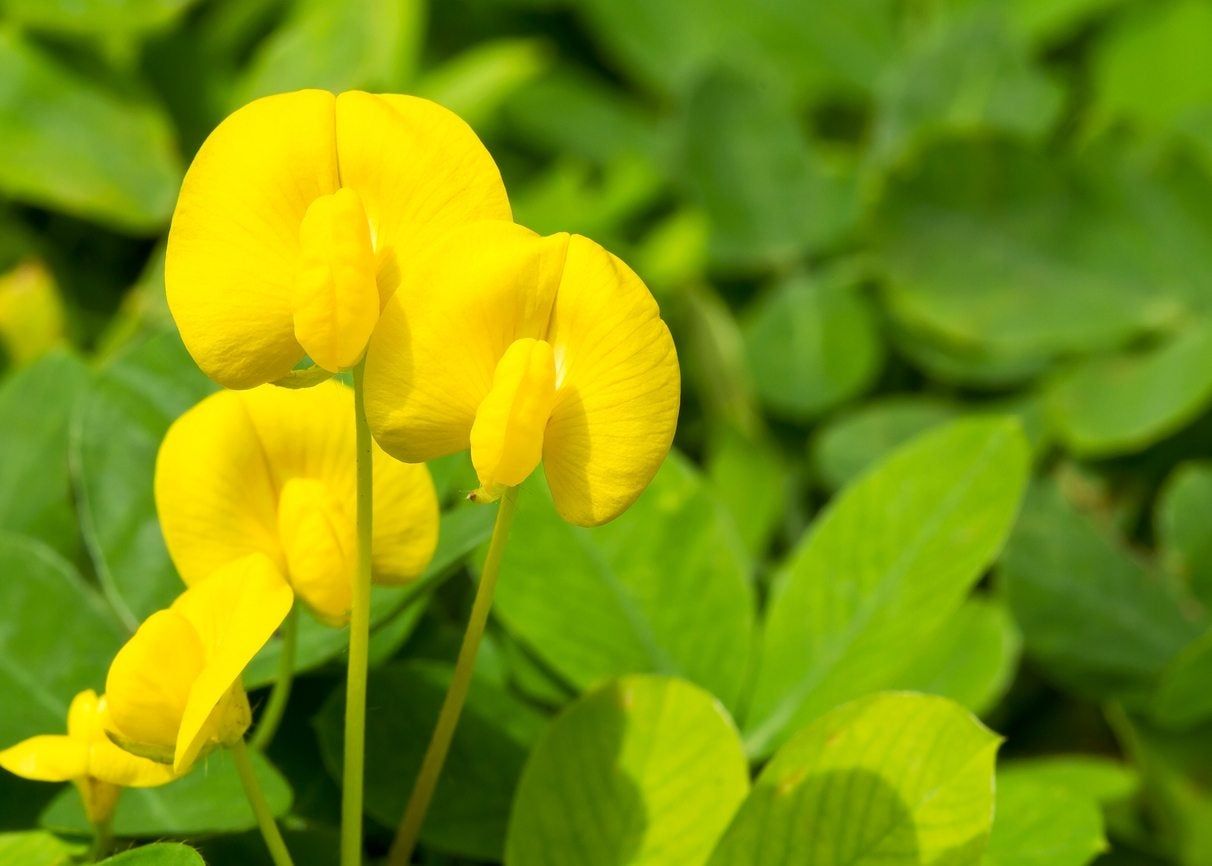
[(664, 434)]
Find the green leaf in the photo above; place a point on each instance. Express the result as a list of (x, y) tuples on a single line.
[(338, 46), (160, 854), (617, 599), (36, 848), (849, 444), (43, 664), (771, 196), (111, 18), (893, 779), (890, 559), (811, 345), (1181, 521), (751, 478), (1091, 615), (115, 439), (127, 175), (471, 804), (1124, 404), (1105, 780), (644, 771), (209, 800), (971, 659), (1183, 698), (477, 83), (1042, 824), (36, 406)]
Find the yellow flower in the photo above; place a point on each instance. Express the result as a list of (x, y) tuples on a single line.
[(271, 471), (86, 757), (301, 215), (31, 312), (174, 689), (527, 348)]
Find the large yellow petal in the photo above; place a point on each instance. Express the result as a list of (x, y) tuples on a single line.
[(406, 516), (420, 171), (618, 387), (234, 614), (149, 683), (47, 758), (233, 247), (321, 543), (432, 358), (106, 762)]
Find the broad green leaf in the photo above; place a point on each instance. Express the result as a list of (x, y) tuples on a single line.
[(1183, 525), (770, 194), (1046, 269), (56, 639), (209, 800), (643, 771), (477, 83), (967, 365), (1183, 698), (93, 18), (37, 848), (751, 478), (1105, 780), (893, 779), (1124, 404), (373, 45), (852, 442), (969, 75), (575, 195), (36, 406), (1042, 824), (159, 854), (471, 805), (811, 345), (971, 659), (127, 175), (886, 564), (115, 438), (1092, 616), (620, 598)]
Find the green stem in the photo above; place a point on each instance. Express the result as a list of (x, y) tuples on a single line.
[(103, 840), (448, 719), (267, 726), (359, 645), (260, 807)]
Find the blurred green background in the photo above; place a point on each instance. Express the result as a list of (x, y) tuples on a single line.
[(862, 218)]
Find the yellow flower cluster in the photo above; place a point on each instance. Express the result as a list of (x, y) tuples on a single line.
[(369, 233)]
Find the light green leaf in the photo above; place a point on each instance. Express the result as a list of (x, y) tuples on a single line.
[(1046, 20), (478, 82), (894, 779), (644, 771), (115, 438), (852, 442), (1042, 824), (811, 345), (751, 478), (127, 175), (971, 659), (1105, 780), (1091, 615), (43, 664), (36, 406), (109, 18), (771, 196), (1183, 524), (617, 599), (471, 804), (890, 559), (209, 800), (1124, 404), (160, 854), (37, 848)]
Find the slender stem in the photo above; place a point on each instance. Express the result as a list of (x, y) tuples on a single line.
[(260, 807), (103, 840), (448, 719), (359, 646), (279, 696)]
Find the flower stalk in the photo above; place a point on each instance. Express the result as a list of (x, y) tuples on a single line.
[(260, 806), (279, 696)]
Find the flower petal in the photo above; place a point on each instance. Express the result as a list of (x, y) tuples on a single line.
[(321, 544), (431, 360), (234, 613), (420, 171), (233, 247), (618, 387), (47, 758)]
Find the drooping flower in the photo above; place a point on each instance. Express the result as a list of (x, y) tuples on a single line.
[(174, 689), (271, 471), (300, 217), (527, 349), (86, 757)]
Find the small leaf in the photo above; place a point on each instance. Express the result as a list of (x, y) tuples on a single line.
[(160, 854), (644, 771), (894, 779), (1182, 519), (37, 848), (1042, 824), (1105, 780)]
